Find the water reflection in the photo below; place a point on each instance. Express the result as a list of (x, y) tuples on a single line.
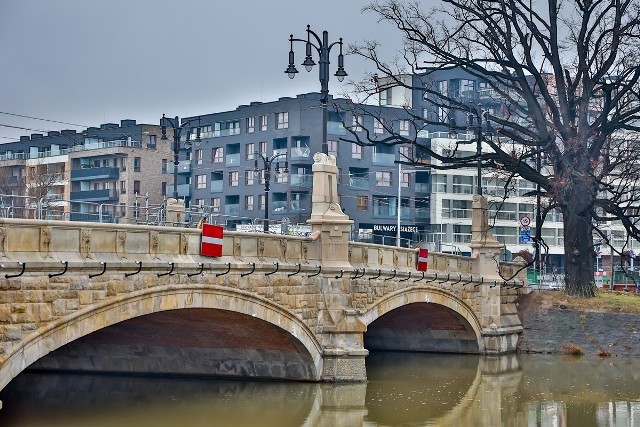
[(403, 389)]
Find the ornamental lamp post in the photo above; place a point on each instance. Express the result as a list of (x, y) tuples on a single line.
[(266, 169), (323, 48), (476, 119), (177, 130)]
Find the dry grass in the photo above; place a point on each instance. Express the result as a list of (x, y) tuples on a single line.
[(602, 353), (571, 350), (618, 302)]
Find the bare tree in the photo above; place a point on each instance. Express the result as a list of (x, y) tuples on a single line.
[(566, 77)]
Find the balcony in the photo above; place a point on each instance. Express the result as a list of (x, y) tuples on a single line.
[(280, 206), (422, 213), (232, 209), (387, 159), (184, 190), (183, 167), (95, 195), (217, 186), (298, 206), (359, 182), (232, 159), (300, 153), (422, 187), (89, 174), (300, 180), (405, 212)]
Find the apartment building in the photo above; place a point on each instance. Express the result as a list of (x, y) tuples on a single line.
[(228, 168), (106, 173)]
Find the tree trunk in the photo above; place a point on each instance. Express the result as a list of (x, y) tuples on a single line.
[(578, 247)]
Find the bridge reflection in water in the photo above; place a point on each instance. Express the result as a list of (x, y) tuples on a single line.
[(403, 389)]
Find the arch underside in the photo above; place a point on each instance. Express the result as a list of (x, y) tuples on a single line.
[(422, 321), (185, 330)]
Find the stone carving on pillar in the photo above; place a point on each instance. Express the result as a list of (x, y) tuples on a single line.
[(237, 247), (261, 249), (121, 240), (365, 256), (85, 243), (380, 257), (45, 242), (305, 252), (396, 259), (175, 212), (184, 244), (153, 245), (283, 250), (3, 242)]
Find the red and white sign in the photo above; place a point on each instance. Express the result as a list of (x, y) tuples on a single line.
[(212, 239), (423, 253)]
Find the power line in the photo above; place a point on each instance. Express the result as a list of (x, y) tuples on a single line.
[(41, 119)]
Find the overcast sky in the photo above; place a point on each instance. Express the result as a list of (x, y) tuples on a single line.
[(89, 62)]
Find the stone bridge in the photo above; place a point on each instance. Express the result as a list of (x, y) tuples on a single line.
[(125, 298)]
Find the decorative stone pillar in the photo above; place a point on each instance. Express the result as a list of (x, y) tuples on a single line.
[(175, 212), (341, 331), (497, 338)]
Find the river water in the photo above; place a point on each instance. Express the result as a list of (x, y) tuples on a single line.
[(403, 389)]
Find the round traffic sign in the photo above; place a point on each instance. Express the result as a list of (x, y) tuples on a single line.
[(525, 221)]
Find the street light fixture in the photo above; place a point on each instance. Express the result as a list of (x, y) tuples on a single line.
[(267, 162), (323, 48), (177, 130)]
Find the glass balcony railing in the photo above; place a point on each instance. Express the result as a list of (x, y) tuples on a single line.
[(297, 206), (184, 190), (183, 167), (233, 159), (280, 206), (232, 209), (384, 158), (359, 182), (301, 180), (300, 153), (405, 212), (282, 151), (216, 186), (422, 213), (422, 187)]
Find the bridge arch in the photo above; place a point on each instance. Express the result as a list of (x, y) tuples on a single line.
[(155, 300), (429, 295)]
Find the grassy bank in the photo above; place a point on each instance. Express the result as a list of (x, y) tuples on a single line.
[(619, 302)]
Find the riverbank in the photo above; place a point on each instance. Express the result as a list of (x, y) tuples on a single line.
[(608, 325)]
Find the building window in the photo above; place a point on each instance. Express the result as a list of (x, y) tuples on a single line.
[(199, 202), (443, 114), (378, 126), (282, 120), (215, 204), (356, 151), (164, 165), (261, 202), (384, 206), (217, 154), (123, 187), (136, 187), (333, 147), (137, 161), (248, 203), (385, 97), (263, 123), (405, 180), (358, 122), (201, 181), (405, 153), (282, 177), (198, 156), (233, 178), (262, 147), (404, 127), (383, 179), (443, 87), (262, 177), (251, 124), (250, 150), (163, 188), (362, 203), (248, 177), (151, 141)]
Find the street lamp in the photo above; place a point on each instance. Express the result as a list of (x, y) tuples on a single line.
[(267, 179), (476, 119), (177, 130), (322, 48)]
